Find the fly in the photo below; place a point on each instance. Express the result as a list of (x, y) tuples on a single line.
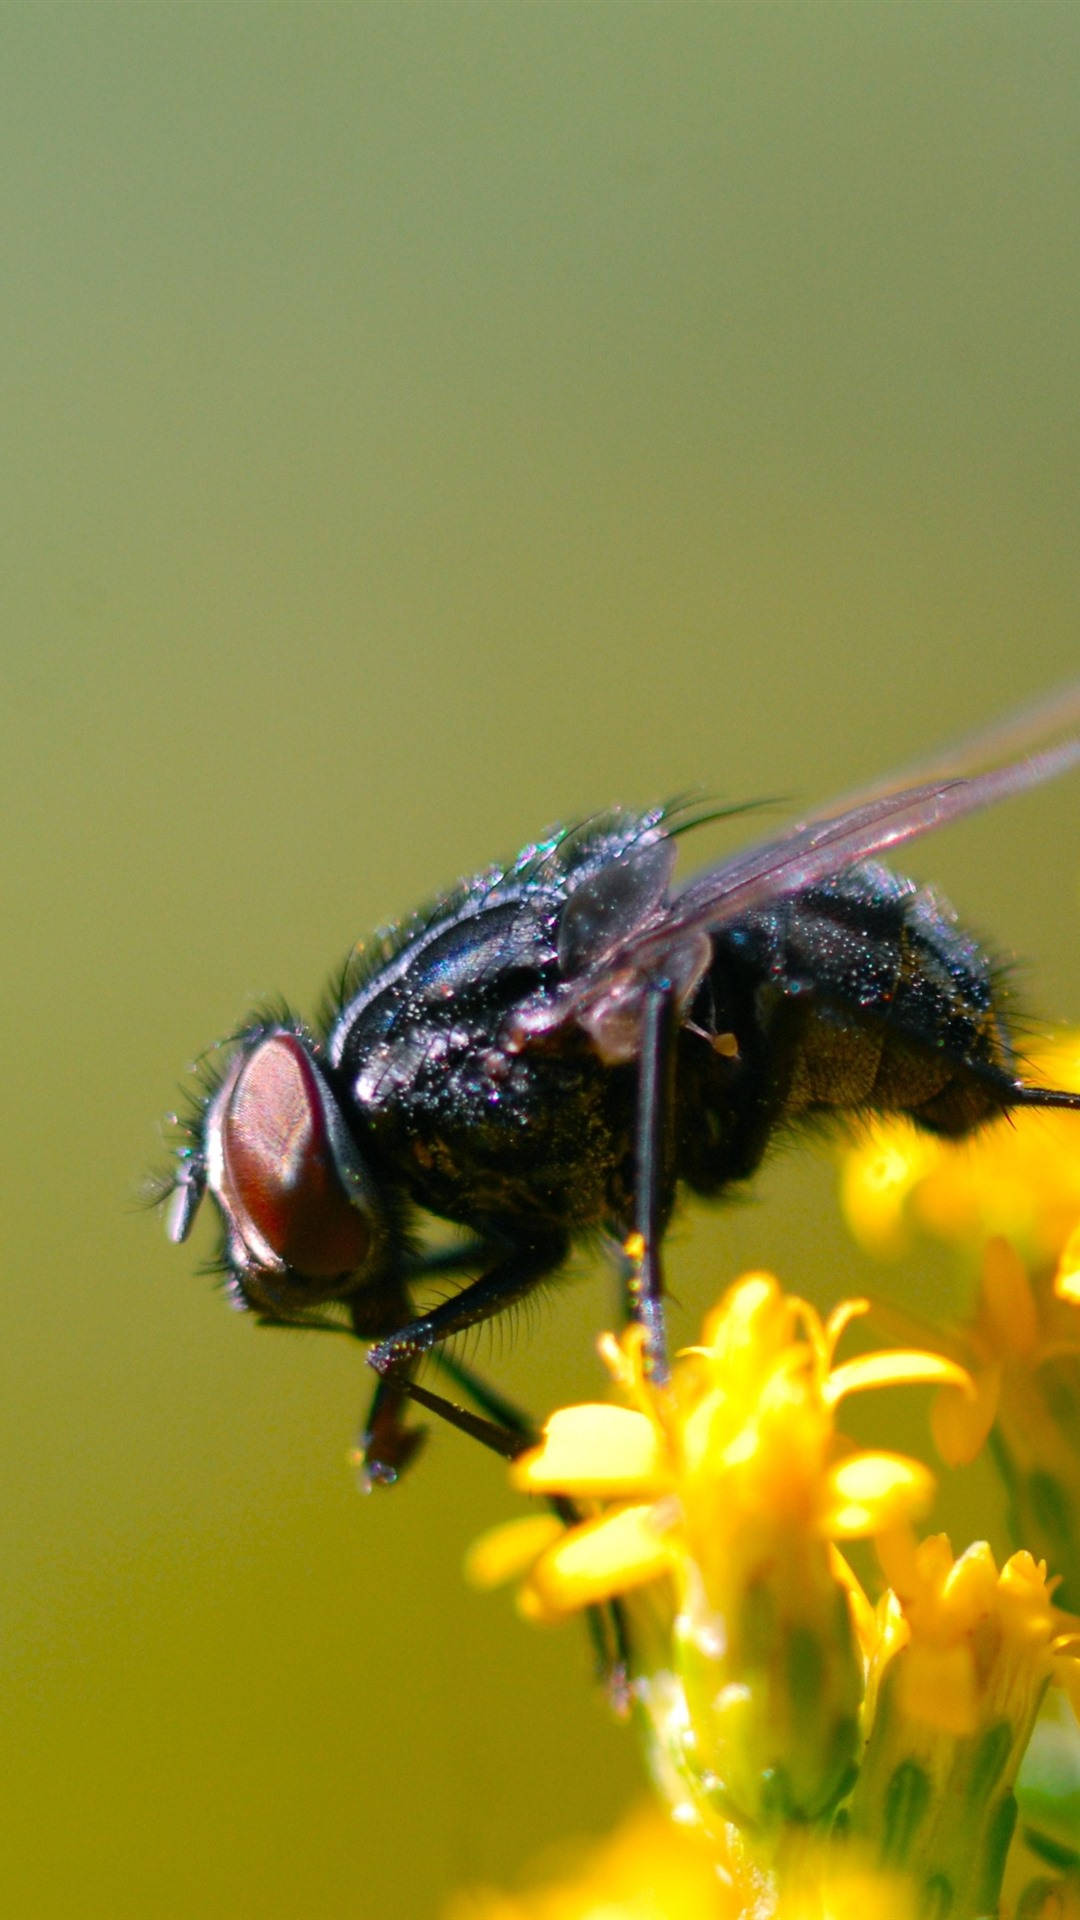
[(558, 1045)]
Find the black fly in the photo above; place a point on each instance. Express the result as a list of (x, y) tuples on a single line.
[(556, 1045)]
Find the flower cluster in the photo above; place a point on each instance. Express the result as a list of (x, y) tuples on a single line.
[(827, 1746), (716, 1501), (1010, 1200), (1019, 1180)]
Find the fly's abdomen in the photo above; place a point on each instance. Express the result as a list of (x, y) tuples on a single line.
[(900, 1010)]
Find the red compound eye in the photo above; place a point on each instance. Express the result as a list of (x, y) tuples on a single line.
[(284, 1160)]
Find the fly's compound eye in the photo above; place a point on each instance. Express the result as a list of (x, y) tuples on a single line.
[(300, 1217)]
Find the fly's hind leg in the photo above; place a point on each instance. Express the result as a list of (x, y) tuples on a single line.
[(387, 1445)]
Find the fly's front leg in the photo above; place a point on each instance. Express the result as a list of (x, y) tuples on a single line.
[(644, 1286), (387, 1444), (501, 1426)]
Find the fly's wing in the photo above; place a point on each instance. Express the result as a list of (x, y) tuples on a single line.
[(673, 943), (809, 853), (1019, 733)]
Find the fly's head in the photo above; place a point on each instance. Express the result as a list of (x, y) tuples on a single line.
[(302, 1223)]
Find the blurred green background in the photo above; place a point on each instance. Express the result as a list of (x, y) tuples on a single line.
[(423, 423)]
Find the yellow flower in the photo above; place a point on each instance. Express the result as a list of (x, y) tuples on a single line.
[(1023, 1349), (743, 1438), (1010, 1197), (958, 1667), (717, 1500), (1018, 1178)]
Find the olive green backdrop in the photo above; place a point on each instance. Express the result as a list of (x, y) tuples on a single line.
[(421, 423)]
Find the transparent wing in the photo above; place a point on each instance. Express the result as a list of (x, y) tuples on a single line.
[(672, 941), (1010, 738), (808, 854)]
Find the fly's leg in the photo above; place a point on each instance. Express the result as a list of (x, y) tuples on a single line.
[(387, 1444), (644, 1286), (1021, 1095), (511, 1279), (506, 1415), (501, 1427)]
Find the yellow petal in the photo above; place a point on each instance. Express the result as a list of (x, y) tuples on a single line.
[(961, 1421), (594, 1450), (872, 1491), (1006, 1302), (968, 1592), (504, 1552), (600, 1559), (840, 1319), (862, 1610), (902, 1558), (900, 1368)]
